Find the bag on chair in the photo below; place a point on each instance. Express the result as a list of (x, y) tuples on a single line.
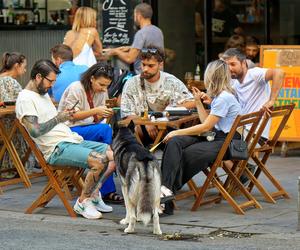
[(238, 149)]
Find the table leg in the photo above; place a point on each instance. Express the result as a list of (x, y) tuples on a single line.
[(159, 136), (14, 155)]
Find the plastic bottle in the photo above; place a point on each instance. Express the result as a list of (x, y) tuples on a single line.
[(197, 73), (36, 14), (10, 14)]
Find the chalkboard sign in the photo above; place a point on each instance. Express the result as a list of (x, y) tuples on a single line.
[(117, 22)]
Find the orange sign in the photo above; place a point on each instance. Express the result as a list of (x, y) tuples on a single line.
[(288, 59)]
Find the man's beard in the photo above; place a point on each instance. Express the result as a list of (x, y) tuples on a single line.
[(40, 88), (237, 76), (147, 76)]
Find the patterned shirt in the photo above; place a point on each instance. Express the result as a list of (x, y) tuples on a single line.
[(9, 88), (156, 96)]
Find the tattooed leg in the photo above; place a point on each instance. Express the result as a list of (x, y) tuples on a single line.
[(97, 163), (110, 168)]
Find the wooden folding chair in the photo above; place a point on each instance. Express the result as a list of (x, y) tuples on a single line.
[(261, 155), (59, 177), (240, 168), (19, 168), (253, 120)]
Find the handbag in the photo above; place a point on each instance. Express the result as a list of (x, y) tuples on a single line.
[(238, 148)]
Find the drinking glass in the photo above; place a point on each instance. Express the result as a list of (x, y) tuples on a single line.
[(188, 77)]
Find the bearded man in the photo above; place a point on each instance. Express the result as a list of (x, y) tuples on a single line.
[(252, 85), (58, 144), (153, 90)]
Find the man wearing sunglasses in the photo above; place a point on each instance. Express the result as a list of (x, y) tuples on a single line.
[(148, 34), (153, 90)]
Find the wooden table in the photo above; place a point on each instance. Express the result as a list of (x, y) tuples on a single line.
[(163, 125), (6, 137)]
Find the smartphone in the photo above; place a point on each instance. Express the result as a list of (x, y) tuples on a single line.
[(173, 118), (9, 103), (75, 105)]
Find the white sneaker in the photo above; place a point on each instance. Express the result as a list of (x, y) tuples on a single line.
[(166, 194), (87, 209), (100, 205)]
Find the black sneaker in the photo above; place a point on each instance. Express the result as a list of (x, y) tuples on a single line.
[(244, 179), (169, 208)]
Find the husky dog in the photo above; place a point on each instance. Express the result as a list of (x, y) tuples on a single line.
[(140, 177)]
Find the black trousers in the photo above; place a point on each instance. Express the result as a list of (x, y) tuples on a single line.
[(185, 156)]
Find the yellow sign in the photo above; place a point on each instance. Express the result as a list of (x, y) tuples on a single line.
[(288, 59)]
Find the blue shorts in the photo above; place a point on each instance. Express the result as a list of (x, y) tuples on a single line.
[(75, 154)]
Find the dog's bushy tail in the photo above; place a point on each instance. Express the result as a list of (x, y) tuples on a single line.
[(147, 191)]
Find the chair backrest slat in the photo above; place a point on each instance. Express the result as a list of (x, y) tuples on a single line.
[(284, 112)]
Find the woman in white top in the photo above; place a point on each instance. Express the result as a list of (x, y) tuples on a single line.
[(84, 38)]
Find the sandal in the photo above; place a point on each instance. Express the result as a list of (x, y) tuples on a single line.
[(113, 198)]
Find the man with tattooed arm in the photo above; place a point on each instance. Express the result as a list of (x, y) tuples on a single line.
[(59, 145)]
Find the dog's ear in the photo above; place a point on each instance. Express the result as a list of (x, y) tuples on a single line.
[(131, 126)]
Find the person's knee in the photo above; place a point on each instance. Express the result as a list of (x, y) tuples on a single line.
[(109, 153), (97, 161), (110, 156)]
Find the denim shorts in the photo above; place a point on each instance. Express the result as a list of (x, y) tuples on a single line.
[(75, 154)]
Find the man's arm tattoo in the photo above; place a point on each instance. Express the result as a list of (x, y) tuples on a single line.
[(36, 129)]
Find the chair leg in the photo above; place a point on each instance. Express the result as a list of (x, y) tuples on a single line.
[(47, 194), (260, 187), (228, 197), (281, 191), (251, 200)]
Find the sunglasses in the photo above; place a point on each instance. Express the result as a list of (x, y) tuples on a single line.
[(150, 50), (105, 70)]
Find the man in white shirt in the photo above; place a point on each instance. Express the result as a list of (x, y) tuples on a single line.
[(59, 145), (252, 85)]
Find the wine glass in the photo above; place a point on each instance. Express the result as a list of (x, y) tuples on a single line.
[(188, 77)]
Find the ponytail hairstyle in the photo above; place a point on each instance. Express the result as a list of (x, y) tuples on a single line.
[(10, 59)]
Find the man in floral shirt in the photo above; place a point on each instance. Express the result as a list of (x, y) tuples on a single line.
[(153, 89)]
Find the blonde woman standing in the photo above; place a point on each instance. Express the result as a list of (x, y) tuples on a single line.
[(186, 153), (84, 38)]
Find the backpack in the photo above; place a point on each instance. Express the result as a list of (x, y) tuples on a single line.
[(119, 79)]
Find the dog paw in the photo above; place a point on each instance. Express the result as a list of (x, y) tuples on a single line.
[(124, 221), (157, 231), (128, 230)]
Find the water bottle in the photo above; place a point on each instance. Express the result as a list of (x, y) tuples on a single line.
[(197, 73)]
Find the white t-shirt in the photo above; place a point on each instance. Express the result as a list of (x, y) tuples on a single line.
[(75, 92), (253, 92), (30, 103)]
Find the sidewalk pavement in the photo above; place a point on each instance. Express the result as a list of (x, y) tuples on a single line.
[(273, 219)]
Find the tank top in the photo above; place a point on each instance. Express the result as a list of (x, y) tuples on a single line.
[(86, 56)]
